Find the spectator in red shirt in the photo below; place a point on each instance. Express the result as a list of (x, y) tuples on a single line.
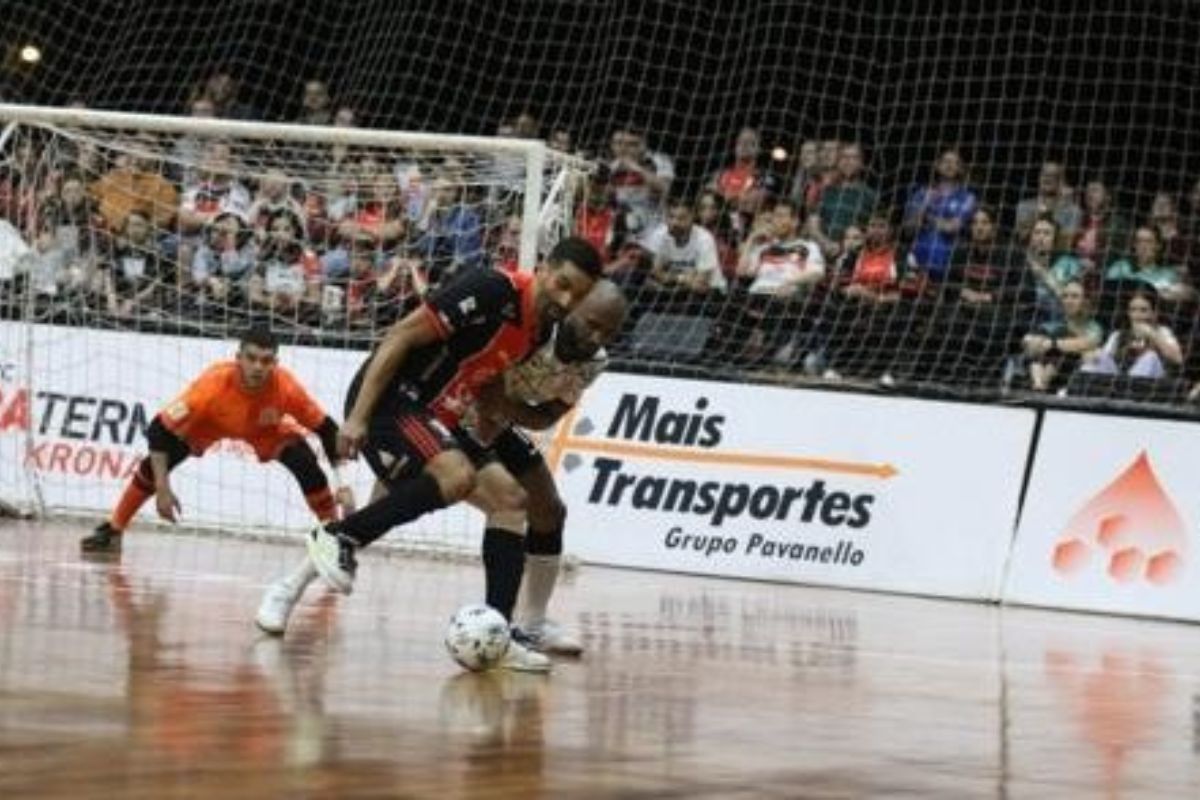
[(861, 327), (744, 174)]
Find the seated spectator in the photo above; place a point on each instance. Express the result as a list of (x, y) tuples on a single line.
[(781, 269), (562, 140), (598, 219), (223, 261), (987, 270), (287, 277), (1053, 199), (135, 276), (849, 249), (450, 235), (872, 261), (1139, 348), (986, 307), (135, 183), (1103, 233), (217, 193), (824, 176), (806, 172), (316, 107), (862, 329), (274, 196), (684, 254), (638, 179), (744, 173), (18, 187), (46, 264), (1053, 351), (845, 202), (378, 209), (414, 186), (78, 231), (506, 252), (712, 214), (361, 286), (936, 215), (776, 259), (1051, 272), (1146, 267), (222, 89), (1178, 246)]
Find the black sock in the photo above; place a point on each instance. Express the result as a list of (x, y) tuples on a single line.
[(405, 501), (503, 566), (544, 543)]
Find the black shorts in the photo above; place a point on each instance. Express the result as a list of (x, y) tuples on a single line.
[(402, 436), (513, 449)]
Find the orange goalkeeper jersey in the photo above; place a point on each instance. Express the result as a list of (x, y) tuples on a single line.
[(216, 406)]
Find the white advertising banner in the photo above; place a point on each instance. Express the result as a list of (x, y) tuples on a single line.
[(77, 433), (1110, 518), (780, 484)]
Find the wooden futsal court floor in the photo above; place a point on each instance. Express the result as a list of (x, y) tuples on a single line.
[(146, 679)]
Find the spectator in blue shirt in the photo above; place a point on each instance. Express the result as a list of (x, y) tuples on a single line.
[(936, 215)]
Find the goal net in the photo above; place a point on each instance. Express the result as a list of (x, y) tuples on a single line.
[(136, 248)]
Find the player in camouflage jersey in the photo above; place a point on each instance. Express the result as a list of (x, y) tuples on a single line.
[(535, 394)]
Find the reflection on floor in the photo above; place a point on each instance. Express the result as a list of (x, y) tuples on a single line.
[(145, 678)]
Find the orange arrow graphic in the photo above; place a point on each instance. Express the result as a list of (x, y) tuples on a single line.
[(562, 441), (692, 456)]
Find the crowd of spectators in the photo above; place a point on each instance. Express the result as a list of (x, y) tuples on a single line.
[(808, 270)]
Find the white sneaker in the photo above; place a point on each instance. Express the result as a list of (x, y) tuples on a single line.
[(520, 658), (550, 637), (333, 556), (276, 608)]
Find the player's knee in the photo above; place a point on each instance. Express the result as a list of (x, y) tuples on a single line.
[(454, 475), (511, 498), (547, 513)]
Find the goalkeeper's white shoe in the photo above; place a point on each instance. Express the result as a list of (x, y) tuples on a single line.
[(520, 658), (276, 607)]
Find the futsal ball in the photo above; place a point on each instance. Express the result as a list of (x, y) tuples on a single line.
[(477, 637)]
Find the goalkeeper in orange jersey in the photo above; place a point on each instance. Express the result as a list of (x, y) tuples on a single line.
[(250, 399)]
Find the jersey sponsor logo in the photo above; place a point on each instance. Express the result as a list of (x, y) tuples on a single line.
[(269, 417)]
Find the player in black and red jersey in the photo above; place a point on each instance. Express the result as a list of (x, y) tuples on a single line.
[(420, 380)]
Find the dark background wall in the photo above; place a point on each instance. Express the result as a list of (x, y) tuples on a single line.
[(1109, 85)]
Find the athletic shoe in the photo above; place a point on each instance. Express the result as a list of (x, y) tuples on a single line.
[(104, 539), (550, 637), (333, 556), (276, 607), (520, 658)]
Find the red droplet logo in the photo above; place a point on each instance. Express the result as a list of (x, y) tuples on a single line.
[(1131, 530)]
